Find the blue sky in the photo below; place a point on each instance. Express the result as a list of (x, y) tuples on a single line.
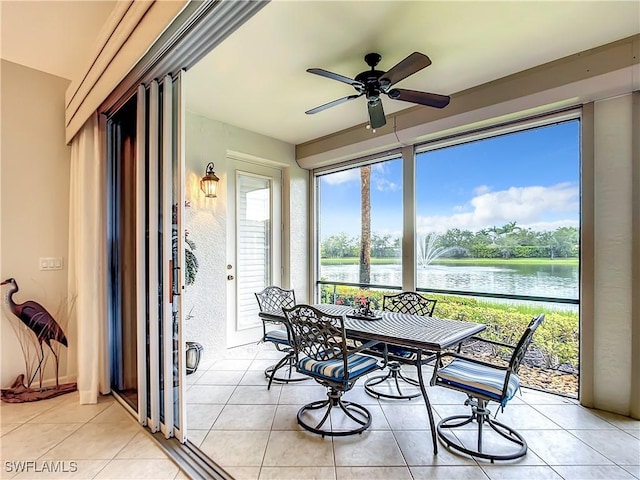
[(530, 177)]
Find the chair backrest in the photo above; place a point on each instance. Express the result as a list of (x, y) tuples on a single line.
[(409, 302), (274, 298), (317, 335), (526, 339)]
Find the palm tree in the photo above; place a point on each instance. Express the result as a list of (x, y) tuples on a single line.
[(365, 236)]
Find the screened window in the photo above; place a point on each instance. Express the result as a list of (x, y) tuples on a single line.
[(501, 215), (360, 224)]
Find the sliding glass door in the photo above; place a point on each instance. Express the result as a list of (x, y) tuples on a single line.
[(146, 251)]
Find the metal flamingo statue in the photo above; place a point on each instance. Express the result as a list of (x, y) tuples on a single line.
[(46, 329)]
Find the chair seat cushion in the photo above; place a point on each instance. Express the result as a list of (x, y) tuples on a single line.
[(278, 335), (357, 365), (479, 379)]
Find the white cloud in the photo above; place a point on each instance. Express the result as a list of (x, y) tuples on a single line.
[(343, 176), (482, 189), (528, 206)]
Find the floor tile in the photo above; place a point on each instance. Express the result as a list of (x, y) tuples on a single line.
[(448, 473), (572, 417), (201, 416), (286, 418), (633, 470), (494, 443), (617, 445), (373, 473), (220, 377), (594, 472), (209, 394), (255, 395), (232, 364), (254, 377), (625, 423), (79, 414), (417, 448), (340, 421), (518, 472), (243, 473), (30, 441), (301, 394), (559, 447), (94, 441), (298, 448), (7, 427), (138, 469), (371, 448), (261, 364), (141, 446), (298, 473), (73, 469), (245, 417), (407, 416), (535, 397), (236, 448), (196, 436), (359, 395), (114, 413), (23, 412)]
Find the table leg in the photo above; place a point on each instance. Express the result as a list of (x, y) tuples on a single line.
[(426, 401)]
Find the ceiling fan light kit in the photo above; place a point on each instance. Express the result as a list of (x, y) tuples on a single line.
[(372, 83)]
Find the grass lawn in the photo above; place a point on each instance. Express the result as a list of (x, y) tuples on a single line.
[(457, 261)]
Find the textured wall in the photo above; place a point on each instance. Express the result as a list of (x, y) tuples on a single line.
[(35, 200), (206, 220), (612, 263)]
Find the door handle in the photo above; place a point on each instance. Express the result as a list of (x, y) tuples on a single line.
[(229, 277)]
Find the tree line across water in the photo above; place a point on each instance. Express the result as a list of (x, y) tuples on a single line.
[(508, 241)]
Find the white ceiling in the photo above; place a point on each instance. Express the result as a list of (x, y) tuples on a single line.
[(52, 36), (257, 80)]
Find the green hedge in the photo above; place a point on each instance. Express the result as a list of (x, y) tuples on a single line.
[(557, 337)]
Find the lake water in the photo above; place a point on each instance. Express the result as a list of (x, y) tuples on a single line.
[(558, 281)]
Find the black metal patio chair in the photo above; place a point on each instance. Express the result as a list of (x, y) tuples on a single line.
[(274, 298), (323, 354), (405, 302), (483, 382)]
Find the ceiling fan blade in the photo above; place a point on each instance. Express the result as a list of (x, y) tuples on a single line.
[(376, 114), (331, 104), (410, 65), (423, 98), (334, 76)]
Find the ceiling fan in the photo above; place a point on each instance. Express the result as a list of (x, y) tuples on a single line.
[(374, 82)]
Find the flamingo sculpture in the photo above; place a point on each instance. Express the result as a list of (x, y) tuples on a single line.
[(39, 321)]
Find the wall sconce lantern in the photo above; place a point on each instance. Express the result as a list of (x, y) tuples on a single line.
[(209, 183)]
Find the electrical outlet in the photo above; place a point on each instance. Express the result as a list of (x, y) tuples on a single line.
[(50, 263)]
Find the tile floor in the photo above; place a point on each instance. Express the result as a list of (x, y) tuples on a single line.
[(253, 433), (100, 441)]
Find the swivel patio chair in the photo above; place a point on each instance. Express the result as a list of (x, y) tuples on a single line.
[(405, 302), (483, 382), (274, 298), (322, 353)]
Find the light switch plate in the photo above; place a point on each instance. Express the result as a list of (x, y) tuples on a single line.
[(50, 263)]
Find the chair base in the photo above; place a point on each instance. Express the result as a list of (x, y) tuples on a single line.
[(481, 415), (288, 362), (356, 412), (395, 373)]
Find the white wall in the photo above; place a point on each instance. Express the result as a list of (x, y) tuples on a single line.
[(34, 200), (612, 263), (206, 220)]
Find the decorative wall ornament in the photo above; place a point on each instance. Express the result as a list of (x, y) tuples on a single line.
[(33, 326)]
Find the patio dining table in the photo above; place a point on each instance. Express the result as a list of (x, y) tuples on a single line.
[(422, 335)]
